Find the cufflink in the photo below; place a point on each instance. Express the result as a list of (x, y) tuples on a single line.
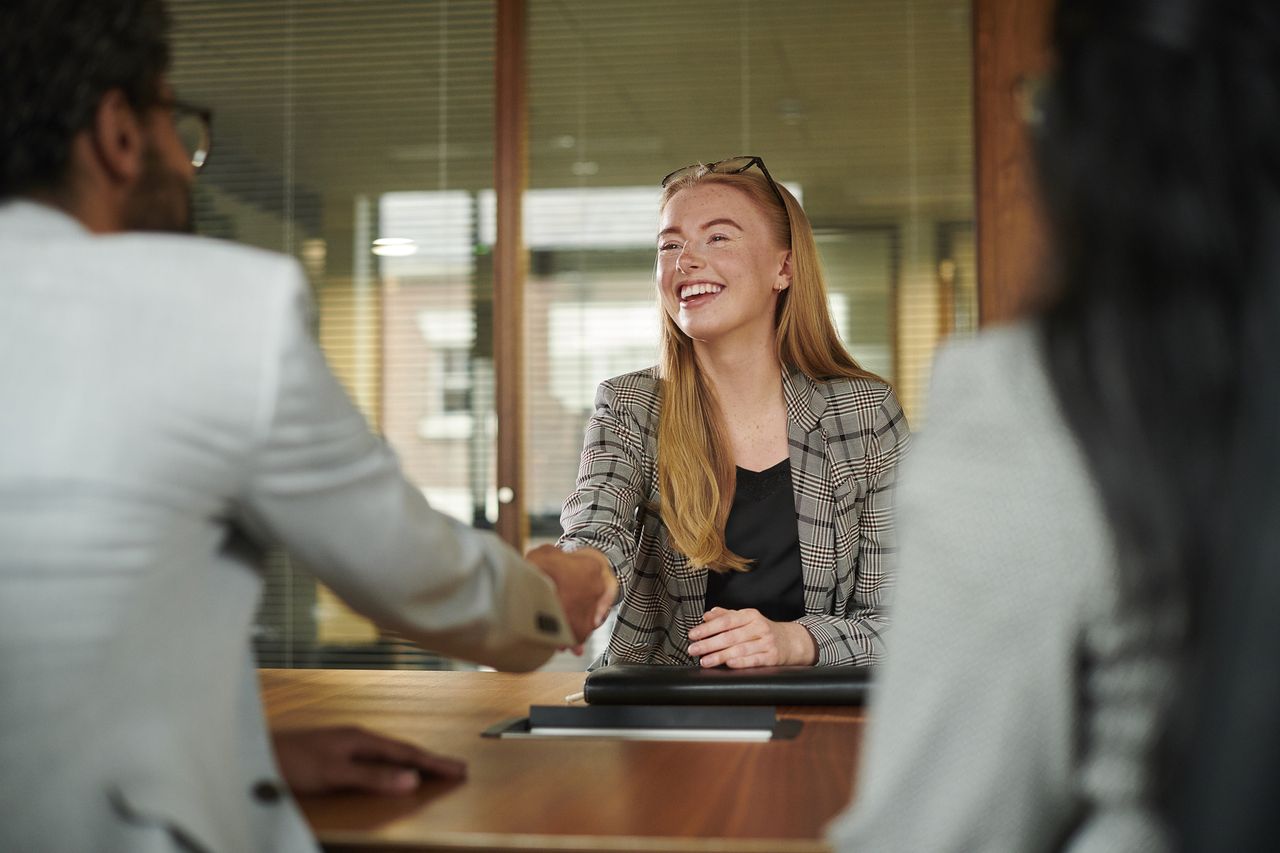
[(266, 792)]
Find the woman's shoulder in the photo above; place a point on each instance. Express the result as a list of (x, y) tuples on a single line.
[(638, 380), (638, 392), (995, 433), (863, 405), (990, 400), (996, 345), (998, 370), (856, 392)]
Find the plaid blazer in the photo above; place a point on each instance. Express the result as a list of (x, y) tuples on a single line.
[(846, 437)]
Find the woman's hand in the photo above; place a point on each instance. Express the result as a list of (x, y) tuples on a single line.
[(744, 638)]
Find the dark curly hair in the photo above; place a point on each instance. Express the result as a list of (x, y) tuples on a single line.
[(1160, 162), (1159, 154), (57, 59)]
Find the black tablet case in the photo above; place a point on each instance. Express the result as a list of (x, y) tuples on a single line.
[(645, 684)]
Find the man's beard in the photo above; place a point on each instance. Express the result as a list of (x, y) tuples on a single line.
[(161, 201)]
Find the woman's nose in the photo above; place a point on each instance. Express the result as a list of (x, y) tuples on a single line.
[(688, 258)]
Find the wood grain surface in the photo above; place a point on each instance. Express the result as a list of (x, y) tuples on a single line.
[(565, 794)]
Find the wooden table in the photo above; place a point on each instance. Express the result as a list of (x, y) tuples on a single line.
[(565, 794)]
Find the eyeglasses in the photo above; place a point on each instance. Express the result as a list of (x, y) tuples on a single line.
[(730, 166), (194, 128)]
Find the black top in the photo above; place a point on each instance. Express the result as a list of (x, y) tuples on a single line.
[(762, 528)]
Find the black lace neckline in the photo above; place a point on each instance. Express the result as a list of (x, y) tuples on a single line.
[(756, 485)]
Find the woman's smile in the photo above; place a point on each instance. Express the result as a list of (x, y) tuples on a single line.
[(698, 292)]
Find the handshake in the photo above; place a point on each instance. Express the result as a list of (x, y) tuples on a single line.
[(584, 582)]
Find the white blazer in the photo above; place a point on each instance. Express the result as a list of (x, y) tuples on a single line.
[(164, 414)]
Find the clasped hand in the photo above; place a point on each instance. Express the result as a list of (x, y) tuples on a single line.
[(745, 638), (585, 583)]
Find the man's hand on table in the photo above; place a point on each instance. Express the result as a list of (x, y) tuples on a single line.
[(585, 583), (349, 758)]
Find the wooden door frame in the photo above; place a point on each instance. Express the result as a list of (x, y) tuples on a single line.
[(1010, 50)]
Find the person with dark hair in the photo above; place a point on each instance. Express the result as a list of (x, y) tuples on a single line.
[(1096, 494), (67, 67), (166, 416)]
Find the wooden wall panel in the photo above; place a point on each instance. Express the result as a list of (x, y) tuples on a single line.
[(510, 178), (1010, 49)]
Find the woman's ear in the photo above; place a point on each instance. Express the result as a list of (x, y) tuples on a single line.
[(784, 274), (117, 139)]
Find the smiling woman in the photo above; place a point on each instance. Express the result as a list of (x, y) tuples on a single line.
[(742, 488)]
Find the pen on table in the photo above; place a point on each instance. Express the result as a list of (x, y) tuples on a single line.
[(574, 697)]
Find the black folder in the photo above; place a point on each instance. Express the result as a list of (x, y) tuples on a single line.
[(644, 684)]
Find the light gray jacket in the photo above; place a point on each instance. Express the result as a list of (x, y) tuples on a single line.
[(1020, 699), (164, 412)]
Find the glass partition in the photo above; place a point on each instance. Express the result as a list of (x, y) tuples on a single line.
[(359, 137)]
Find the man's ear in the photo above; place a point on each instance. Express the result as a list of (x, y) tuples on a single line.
[(784, 274), (116, 138)]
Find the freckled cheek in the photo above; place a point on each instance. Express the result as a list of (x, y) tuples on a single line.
[(665, 283)]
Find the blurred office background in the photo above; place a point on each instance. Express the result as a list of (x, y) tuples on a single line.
[(361, 138)]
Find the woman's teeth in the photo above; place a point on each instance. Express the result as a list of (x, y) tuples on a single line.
[(691, 290)]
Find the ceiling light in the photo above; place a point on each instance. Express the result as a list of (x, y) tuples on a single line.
[(394, 247)]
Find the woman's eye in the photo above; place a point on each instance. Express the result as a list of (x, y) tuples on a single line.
[(718, 238), (668, 247)]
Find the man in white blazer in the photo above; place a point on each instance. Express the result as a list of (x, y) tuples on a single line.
[(164, 415)]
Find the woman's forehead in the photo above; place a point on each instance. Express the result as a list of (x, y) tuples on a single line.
[(706, 202)]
